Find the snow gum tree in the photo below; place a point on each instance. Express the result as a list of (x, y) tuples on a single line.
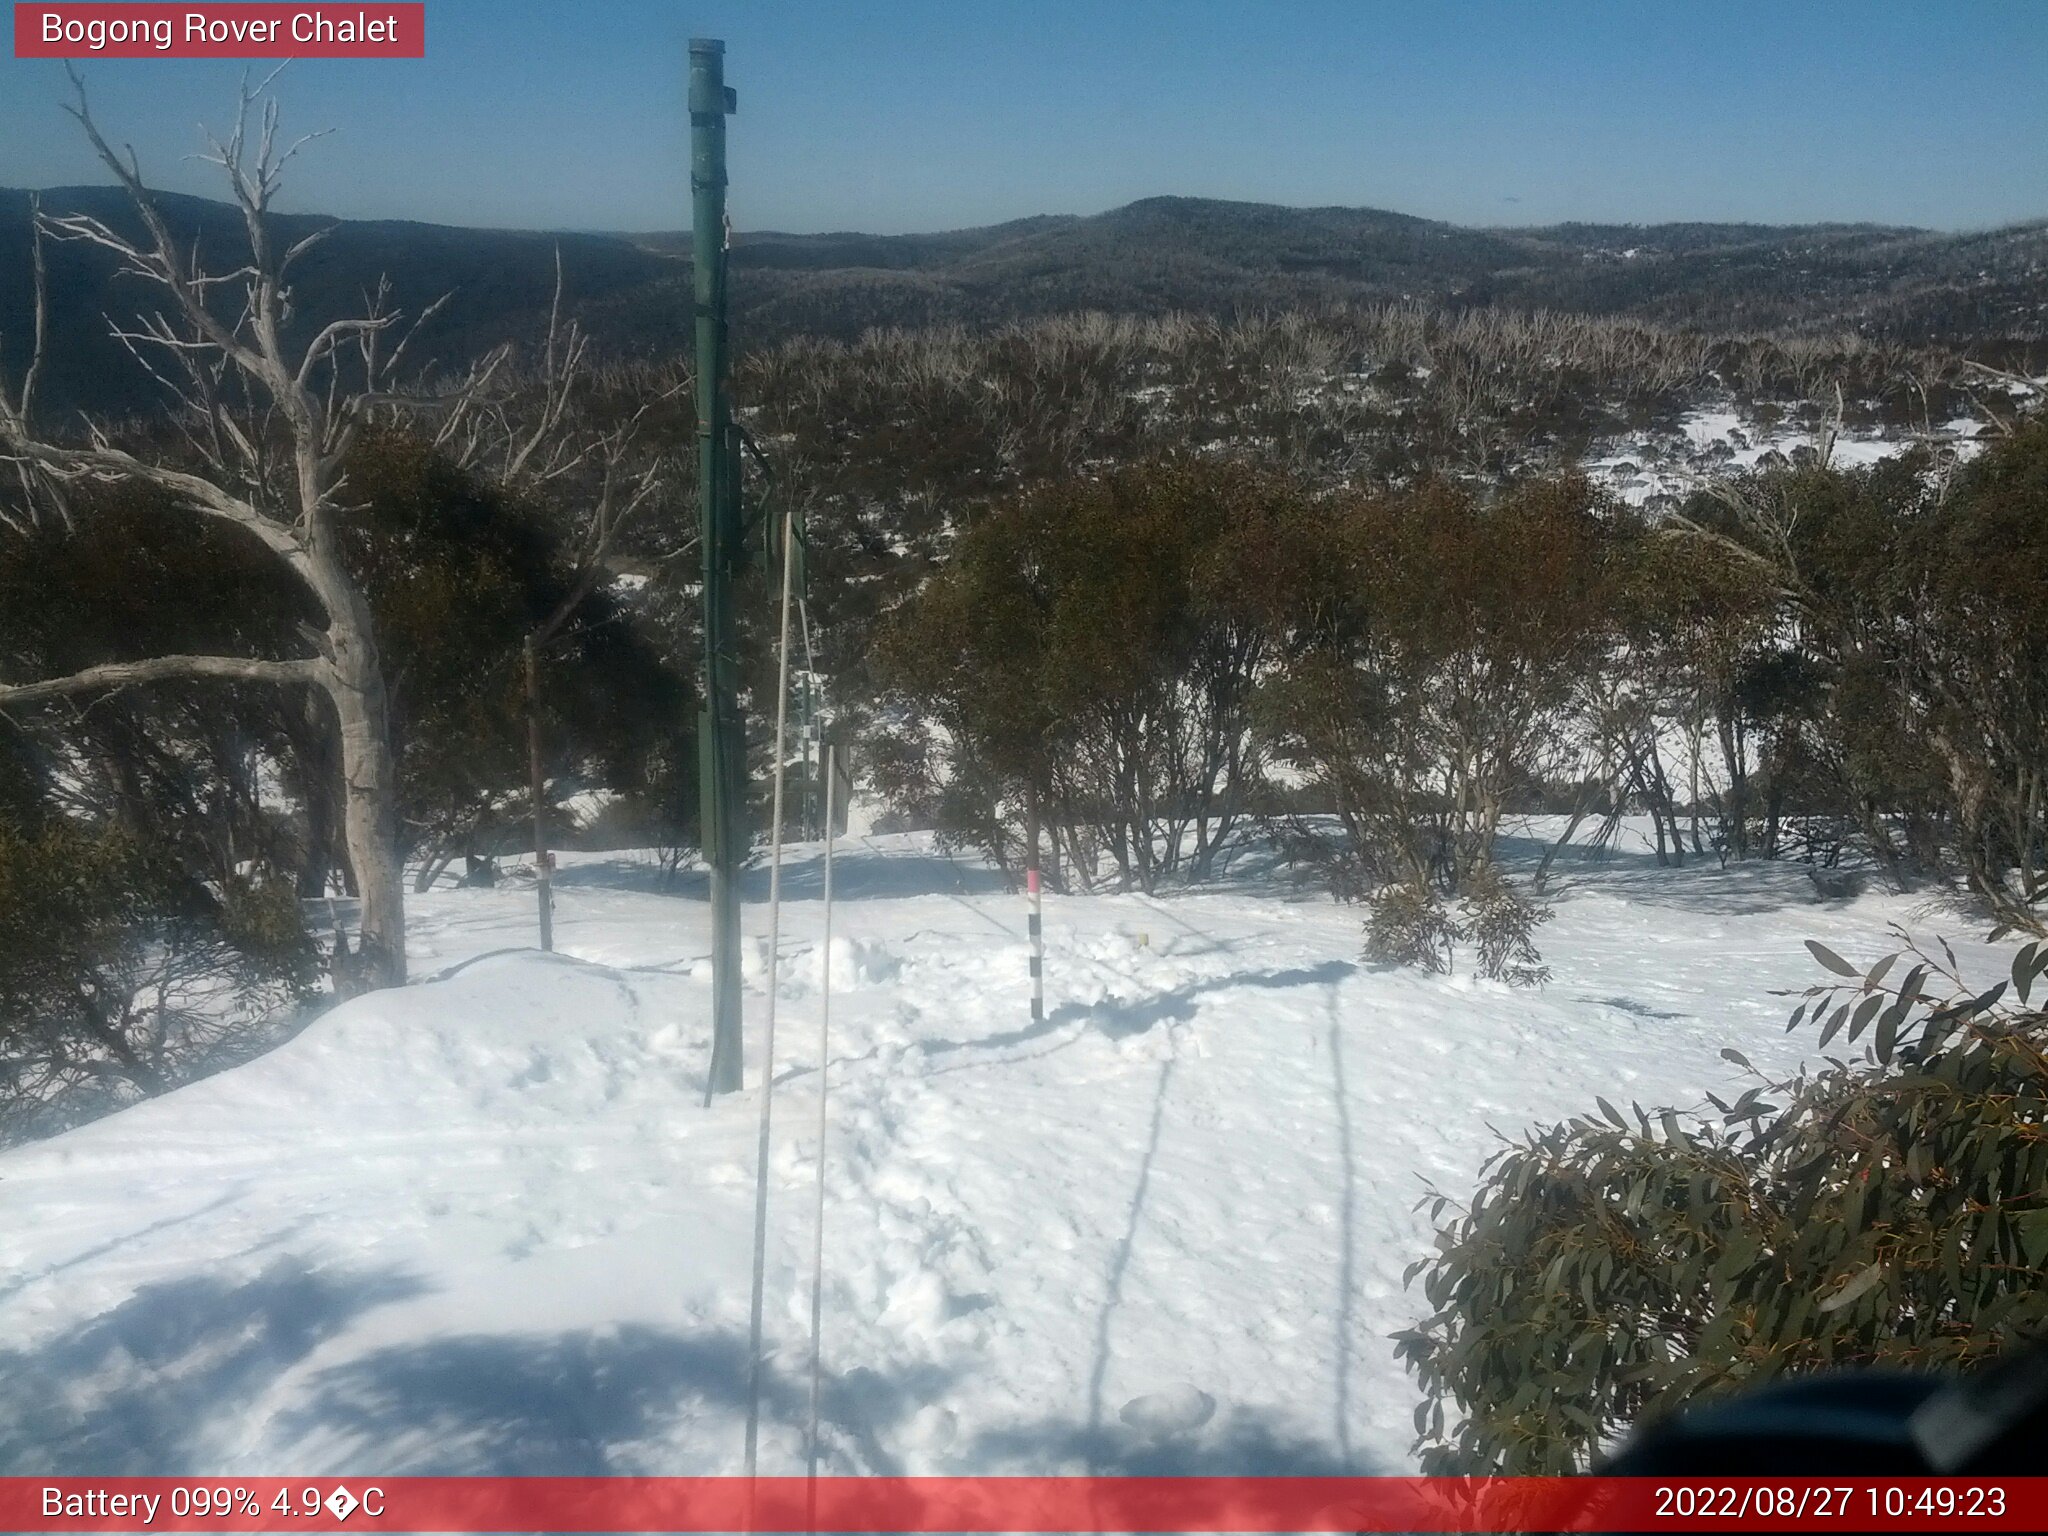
[(1434, 681), (1912, 605), (264, 428), (1096, 644)]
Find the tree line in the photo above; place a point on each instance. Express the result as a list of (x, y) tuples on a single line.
[(1800, 662)]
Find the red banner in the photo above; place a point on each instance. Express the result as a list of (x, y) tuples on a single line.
[(217, 31), (1025, 1504)]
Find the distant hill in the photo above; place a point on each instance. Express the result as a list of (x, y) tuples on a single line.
[(1987, 291), (501, 283)]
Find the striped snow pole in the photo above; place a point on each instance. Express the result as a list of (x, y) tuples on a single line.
[(1037, 948), (1036, 919)]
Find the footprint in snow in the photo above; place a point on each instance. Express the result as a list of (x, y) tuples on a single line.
[(1172, 1412)]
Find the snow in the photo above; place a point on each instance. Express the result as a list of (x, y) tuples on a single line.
[(485, 1224), (585, 806), (1644, 468)]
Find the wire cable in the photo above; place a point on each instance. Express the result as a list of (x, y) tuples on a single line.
[(768, 1031), (818, 1226)]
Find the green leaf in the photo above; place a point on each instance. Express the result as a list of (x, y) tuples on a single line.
[(1887, 1038), (1859, 1202), (1832, 961), (1915, 979), (1729, 1053), (1952, 1259), (1894, 1016), (1610, 1111), (1858, 1285), (1877, 971), (1985, 1248), (1833, 1025), (2033, 1234)]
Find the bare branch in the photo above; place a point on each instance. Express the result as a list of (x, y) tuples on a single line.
[(300, 247), (128, 674), (104, 462), (26, 409), (562, 365), (2008, 377), (332, 335), (600, 533), (166, 263)]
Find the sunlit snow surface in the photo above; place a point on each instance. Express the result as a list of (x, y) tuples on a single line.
[(485, 1224), (1655, 469)]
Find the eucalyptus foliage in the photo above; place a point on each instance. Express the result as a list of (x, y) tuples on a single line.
[(1888, 1208), (121, 975)]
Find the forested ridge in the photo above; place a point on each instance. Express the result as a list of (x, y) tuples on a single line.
[(1981, 293)]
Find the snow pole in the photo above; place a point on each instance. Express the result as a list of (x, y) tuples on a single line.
[(818, 1215), (721, 730), (543, 861), (807, 736), (768, 1029), (1036, 920)]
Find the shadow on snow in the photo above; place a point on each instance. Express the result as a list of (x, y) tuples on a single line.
[(161, 1385)]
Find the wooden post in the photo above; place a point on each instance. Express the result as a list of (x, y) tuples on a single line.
[(537, 787), (1031, 887)]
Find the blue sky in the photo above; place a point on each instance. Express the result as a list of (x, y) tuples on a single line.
[(904, 115)]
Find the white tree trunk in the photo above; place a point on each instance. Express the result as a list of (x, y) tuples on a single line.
[(369, 773)]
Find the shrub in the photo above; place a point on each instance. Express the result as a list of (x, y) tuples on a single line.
[(1887, 1211), (120, 976), (1409, 926), (1502, 923)]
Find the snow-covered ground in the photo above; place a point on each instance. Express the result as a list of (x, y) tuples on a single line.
[(1656, 469), (486, 1224)]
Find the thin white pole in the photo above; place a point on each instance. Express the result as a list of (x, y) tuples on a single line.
[(818, 1223), (768, 1032)]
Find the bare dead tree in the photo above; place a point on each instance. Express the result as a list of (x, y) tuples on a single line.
[(2014, 383), (623, 492), (530, 429), (266, 429)]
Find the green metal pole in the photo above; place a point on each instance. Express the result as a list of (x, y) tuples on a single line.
[(721, 731)]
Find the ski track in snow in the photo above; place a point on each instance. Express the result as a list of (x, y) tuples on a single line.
[(483, 1225)]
